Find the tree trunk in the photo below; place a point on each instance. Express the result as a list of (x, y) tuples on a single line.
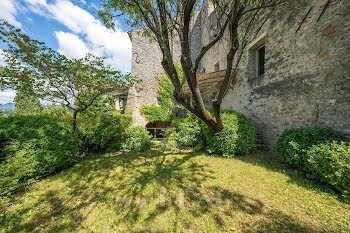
[(75, 114)]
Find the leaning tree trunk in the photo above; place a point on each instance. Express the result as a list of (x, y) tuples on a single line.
[(74, 124)]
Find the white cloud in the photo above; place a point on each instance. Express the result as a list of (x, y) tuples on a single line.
[(70, 45), (115, 45), (7, 96), (8, 12)]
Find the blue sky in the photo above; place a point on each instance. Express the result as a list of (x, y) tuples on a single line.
[(69, 26)]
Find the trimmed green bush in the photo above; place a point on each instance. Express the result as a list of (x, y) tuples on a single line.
[(34, 146), (184, 133), (188, 132), (293, 144), (137, 139), (237, 137), (330, 163), (103, 132)]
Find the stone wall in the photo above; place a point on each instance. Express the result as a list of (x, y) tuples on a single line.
[(306, 80), (146, 64)]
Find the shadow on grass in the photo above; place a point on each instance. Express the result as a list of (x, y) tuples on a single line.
[(274, 163), (139, 192)]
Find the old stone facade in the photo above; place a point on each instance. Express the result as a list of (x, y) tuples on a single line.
[(306, 78), (146, 64)]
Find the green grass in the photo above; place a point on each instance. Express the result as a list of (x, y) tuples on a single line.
[(182, 192)]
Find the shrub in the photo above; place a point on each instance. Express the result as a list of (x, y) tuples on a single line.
[(155, 113), (15, 172), (330, 163), (137, 138), (236, 138), (34, 146), (170, 140), (188, 133), (61, 112), (293, 144), (103, 132), (184, 133)]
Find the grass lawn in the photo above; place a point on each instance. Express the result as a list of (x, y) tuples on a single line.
[(177, 192)]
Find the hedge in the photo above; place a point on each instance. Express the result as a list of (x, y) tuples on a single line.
[(293, 144), (33, 146), (237, 137), (321, 153)]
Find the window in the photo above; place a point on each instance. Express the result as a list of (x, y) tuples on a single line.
[(256, 57), (217, 67), (159, 101), (260, 60)]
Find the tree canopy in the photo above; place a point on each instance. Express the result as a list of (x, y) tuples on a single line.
[(165, 19), (76, 83), (26, 102)]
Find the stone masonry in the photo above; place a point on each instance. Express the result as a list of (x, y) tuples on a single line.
[(307, 68), (146, 64)]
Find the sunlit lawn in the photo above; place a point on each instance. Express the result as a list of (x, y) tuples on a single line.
[(182, 192)]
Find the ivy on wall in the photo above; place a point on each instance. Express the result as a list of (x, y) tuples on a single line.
[(167, 102)]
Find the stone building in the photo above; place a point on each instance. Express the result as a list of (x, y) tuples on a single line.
[(295, 73)]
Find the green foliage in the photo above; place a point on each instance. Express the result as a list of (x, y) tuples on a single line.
[(61, 112), (170, 140), (330, 163), (26, 101), (104, 131), (100, 128), (188, 133), (103, 104), (320, 153), (137, 139), (163, 112), (15, 173), (184, 133), (77, 83), (33, 146), (293, 144), (237, 137), (155, 113)]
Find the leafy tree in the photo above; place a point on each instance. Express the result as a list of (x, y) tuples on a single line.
[(77, 83), (26, 101), (164, 19)]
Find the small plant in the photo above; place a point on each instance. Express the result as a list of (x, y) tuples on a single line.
[(137, 139), (293, 144)]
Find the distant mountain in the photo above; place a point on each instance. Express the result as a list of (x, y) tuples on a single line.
[(7, 106)]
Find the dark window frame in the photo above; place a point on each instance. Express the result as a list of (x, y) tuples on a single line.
[(260, 60)]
